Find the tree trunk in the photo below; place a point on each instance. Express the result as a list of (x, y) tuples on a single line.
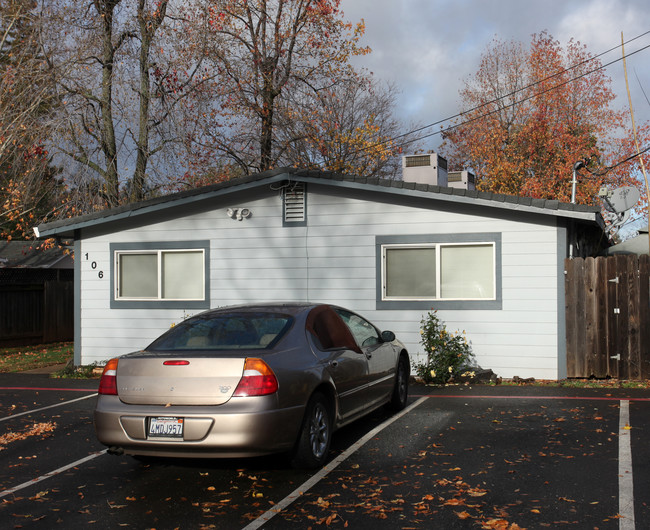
[(266, 139), (139, 175), (149, 24), (109, 147)]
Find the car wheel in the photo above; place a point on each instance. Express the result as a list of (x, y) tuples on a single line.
[(313, 443), (401, 391)]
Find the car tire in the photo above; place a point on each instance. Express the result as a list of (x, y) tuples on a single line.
[(401, 390), (313, 443)]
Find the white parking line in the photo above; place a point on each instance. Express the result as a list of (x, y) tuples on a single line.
[(45, 408), (307, 485), (50, 474), (625, 476)]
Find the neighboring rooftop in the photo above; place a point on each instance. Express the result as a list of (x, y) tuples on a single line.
[(27, 255)]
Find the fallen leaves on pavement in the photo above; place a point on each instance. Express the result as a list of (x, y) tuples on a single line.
[(36, 429)]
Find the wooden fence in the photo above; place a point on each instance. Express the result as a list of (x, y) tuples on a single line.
[(36, 313), (608, 317)]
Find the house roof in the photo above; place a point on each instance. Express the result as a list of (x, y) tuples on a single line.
[(66, 228), (26, 255)]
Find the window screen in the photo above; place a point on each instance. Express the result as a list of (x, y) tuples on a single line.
[(138, 275), (411, 272), (467, 271)]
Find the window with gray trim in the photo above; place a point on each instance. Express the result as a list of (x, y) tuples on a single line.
[(160, 275), (446, 271)]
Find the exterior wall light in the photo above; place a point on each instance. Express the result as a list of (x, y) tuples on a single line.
[(239, 213)]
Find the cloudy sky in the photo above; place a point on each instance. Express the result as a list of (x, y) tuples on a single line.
[(428, 47)]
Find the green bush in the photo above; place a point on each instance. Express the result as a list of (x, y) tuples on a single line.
[(448, 354)]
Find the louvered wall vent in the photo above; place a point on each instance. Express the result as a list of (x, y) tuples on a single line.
[(295, 211)]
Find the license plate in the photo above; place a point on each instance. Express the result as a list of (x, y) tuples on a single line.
[(166, 427)]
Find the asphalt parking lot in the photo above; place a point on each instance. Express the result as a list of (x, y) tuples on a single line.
[(457, 457)]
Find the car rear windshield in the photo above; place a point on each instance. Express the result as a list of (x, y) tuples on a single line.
[(256, 331)]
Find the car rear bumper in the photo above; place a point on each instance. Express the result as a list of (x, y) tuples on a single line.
[(243, 427)]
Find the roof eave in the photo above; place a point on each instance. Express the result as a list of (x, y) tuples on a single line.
[(455, 195), (67, 228)]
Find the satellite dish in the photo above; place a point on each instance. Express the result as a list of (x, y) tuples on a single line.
[(622, 199)]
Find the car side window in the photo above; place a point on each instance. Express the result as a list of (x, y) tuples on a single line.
[(363, 331), (328, 331)]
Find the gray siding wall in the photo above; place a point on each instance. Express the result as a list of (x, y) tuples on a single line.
[(332, 259)]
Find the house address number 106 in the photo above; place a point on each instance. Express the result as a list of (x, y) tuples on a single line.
[(93, 266)]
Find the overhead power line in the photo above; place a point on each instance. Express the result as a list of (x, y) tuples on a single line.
[(523, 100), (505, 96)]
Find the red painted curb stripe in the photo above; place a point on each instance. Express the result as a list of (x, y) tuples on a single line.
[(577, 398), (48, 388)]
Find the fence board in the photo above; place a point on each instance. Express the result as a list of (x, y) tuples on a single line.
[(600, 347), (644, 315), (590, 318), (633, 346)]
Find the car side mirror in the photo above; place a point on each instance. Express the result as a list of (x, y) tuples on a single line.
[(387, 336)]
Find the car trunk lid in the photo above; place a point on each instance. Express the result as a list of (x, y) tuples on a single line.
[(161, 380)]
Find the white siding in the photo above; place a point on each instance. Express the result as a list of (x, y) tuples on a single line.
[(332, 259)]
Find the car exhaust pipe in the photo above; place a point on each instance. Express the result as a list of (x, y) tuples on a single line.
[(114, 450)]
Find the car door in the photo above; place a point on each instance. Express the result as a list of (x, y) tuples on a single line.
[(342, 358), (379, 355)]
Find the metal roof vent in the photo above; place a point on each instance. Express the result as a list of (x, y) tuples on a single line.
[(295, 204)]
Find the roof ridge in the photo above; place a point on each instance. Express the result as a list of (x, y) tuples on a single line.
[(310, 174)]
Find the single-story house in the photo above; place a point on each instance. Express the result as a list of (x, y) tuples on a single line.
[(392, 250)]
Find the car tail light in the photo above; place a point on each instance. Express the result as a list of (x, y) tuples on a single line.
[(258, 379), (108, 382)]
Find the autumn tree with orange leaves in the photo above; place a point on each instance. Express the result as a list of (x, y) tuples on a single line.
[(529, 114)]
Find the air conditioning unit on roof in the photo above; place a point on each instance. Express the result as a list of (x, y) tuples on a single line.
[(425, 169), (461, 179)]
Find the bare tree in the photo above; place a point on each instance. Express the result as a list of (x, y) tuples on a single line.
[(28, 187), (264, 52), (116, 126), (351, 129)]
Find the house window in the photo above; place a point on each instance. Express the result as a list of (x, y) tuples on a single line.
[(164, 275), (160, 275), (441, 271)]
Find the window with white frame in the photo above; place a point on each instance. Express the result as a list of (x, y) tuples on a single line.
[(160, 275), (439, 271), (173, 274)]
